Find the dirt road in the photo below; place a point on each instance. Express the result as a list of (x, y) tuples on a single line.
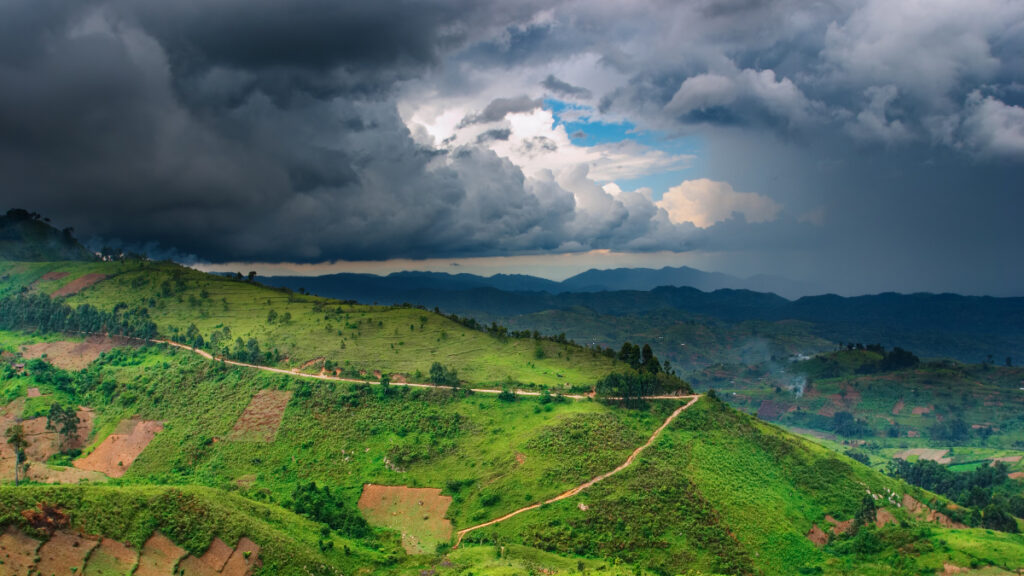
[(592, 481), (296, 373)]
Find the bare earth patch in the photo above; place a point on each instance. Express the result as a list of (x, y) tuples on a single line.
[(1016, 475), (33, 393), (78, 284), (73, 355), (210, 563), (54, 275), (42, 444), (17, 551), (817, 536), (111, 558), (934, 454), (1007, 459), (116, 454), (921, 410), (243, 560), (883, 517), (159, 556), (839, 527), (64, 553), (770, 410), (418, 513), (898, 408), (262, 417)]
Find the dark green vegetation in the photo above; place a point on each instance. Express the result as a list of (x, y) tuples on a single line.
[(28, 236), (995, 499), (718, 491)]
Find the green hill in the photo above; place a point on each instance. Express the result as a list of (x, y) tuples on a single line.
[(329, 476), (26, 236)]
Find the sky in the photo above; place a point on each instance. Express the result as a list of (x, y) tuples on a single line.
[(860, 146)]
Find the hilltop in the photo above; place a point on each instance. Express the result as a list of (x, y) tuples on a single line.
[(306, 461), (28, 236)]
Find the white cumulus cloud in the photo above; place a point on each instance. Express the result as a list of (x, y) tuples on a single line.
[(705, 202)]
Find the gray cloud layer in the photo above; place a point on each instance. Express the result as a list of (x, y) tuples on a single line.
[(255, 129)]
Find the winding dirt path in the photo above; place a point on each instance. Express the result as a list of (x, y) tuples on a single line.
[(570, 493), (298, 374)]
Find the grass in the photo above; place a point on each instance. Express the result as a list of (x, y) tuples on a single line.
[(352, 337), (719, 492)]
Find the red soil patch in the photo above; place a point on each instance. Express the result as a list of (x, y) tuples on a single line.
[(913, 434), (78, 284), (840, 527), (118, 451), (64, 553), (73, 355), (243, 560), (17, 551), (817, 536), (33, 393), (54, 275), (883, 517), (418, 513), (1007, 459), (770, 410), (159, 556), (921, 410), (109, 558), (222, 560), (948, 569), (43, 443), (262, 417), (898, 408), (1016, 475)]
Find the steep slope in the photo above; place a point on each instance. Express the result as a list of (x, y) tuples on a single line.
[(360, 477), (312, 334), (25, 236)]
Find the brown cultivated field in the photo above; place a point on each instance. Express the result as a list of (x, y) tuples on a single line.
[(17, 551), (243, 560), (159, 557), (935, 454), (262, 417), (111, 558), (418, 513), (115, 455), (73, 355), (64, 553), (78, 284)]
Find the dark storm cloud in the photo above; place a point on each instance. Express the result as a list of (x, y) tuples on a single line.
[(563, 88), (495, 134), (891, 133), (501, 107)]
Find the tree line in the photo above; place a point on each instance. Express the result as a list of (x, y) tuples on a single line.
[(39, 312), (987, 491), (648, 377)]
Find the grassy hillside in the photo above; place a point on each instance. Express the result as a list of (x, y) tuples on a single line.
[(350, 337), (291, 461), (25, 236)]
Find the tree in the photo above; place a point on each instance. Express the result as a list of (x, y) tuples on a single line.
[(64, 421), (866, 514), (271, 316), (444, 376), (16, 440), (252, 275), (385, 382)]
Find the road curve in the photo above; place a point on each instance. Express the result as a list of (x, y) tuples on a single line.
[(570, 493)]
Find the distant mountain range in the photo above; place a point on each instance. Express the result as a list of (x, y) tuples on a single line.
[(401, 286), (967, 328)]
